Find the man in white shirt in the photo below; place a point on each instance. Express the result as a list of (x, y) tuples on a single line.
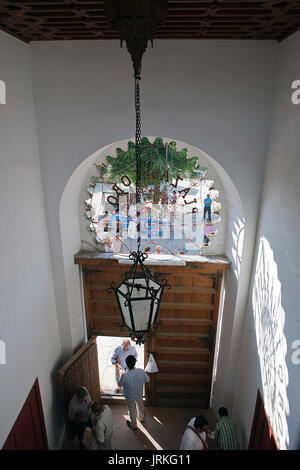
[(194, 437), (104, 425), (133, 382)]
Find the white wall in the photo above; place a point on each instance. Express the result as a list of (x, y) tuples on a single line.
[(28, 322), (214, 95), (272, 322)]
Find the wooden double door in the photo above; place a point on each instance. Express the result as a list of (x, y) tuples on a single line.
[(184, 344)]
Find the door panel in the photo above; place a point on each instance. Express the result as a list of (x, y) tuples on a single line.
[(29, 432), (262, 437)]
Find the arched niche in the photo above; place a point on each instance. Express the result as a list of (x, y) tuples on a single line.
[(73, 224)]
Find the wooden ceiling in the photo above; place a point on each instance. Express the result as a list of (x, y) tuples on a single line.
[(48, 20)]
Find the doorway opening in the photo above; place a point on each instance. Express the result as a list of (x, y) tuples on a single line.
[(106, 346)]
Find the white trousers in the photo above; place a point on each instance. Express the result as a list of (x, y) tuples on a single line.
[(136, 409)]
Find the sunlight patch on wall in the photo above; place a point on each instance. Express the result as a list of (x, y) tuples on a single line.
[(269, 318), (238, 239)]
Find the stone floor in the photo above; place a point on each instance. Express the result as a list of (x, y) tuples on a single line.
[(162, 430)]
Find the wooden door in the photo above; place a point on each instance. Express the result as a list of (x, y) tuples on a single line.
[(184, 343), (262, 436), (29, 432), (81, 370)]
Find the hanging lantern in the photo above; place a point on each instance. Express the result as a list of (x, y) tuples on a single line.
[(139, 294)]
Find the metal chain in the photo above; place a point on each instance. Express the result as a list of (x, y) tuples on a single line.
[(138, 184)]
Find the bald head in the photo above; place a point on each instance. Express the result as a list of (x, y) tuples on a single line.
[(126, 344)]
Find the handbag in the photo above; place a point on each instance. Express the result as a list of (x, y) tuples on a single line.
[(151, 367)]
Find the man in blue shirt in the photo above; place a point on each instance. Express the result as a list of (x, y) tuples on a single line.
[(119, 359), (207, 207), (133, 382)]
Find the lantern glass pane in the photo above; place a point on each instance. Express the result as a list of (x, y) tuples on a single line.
[(140, 304), (141, 311), (125, 308), (153, 284)]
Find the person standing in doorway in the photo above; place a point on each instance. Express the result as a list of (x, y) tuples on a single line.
[(225, 432), (119, 359), (133, 385), (207, 207), (194, 437)]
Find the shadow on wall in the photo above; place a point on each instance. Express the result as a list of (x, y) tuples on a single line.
[(237, 235), (56, 413), (269, 320)]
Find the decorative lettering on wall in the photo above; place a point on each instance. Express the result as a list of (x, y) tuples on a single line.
[(113, 200)]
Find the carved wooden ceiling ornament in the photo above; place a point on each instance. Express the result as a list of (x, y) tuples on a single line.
[(136, 21), (48, 20)]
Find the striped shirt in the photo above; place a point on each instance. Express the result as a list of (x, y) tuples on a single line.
[(226, 434)]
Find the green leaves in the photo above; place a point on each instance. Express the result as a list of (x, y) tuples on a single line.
[(160, 163)]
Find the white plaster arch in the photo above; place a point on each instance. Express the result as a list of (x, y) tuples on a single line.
[(234, 283)]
